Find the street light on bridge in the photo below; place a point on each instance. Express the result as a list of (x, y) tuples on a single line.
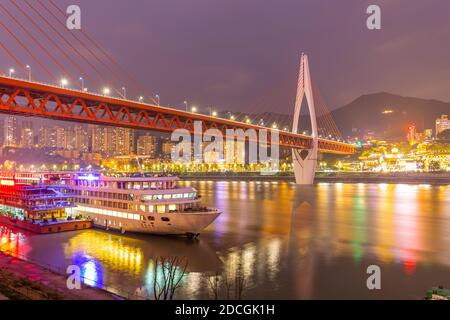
[(194, 109), (124, 90), (11, 72), (28, 67), (141, 99), (158, 99), (82, 84), (106, 91), (64, 82)]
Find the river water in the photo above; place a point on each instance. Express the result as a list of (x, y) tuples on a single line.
[(274, 240)]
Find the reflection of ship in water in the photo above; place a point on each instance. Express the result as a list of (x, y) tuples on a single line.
[(131, 253)]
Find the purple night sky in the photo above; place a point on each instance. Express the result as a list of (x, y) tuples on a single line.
[(244, 54)]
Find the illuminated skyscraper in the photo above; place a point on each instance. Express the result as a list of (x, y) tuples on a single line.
[(11, 132), (61, 138), (98, 137), (27, 134), (81, 139), (124, 141), (47, 137), (146, 146)]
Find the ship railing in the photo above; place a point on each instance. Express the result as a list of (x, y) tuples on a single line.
[(50, 196), (53, 206)]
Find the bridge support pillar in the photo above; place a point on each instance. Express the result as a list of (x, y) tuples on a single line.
[(305, 161), (304, 166)]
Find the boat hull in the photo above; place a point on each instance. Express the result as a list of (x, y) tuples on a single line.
[(186, 223)]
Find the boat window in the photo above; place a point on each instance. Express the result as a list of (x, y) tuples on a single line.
[(150, 218), (165, 219), (161, 209)]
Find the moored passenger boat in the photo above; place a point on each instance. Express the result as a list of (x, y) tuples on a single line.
[(143, 204), (30, 204)]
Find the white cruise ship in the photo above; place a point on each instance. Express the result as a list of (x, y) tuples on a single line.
[(144, 204)]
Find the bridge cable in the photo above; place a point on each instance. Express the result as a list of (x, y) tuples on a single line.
[(27, 50), (87, 49), (34, 39), (69, 43), (49, 38), (106, 54)]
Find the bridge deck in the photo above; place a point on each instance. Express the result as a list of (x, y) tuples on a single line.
[(26, 98)]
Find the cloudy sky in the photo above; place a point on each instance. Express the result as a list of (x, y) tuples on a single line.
[(244, 54)]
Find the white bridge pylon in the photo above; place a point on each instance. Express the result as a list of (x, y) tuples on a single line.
[(305, 161)]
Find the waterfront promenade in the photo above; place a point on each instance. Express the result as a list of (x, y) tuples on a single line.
[(23, 280)]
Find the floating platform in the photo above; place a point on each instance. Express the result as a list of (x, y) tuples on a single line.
[(47, 228)]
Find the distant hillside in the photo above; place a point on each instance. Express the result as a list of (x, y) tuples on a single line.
[(366, 112)]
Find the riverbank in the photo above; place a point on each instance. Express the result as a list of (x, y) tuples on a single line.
[(23, 280), (339, 177)]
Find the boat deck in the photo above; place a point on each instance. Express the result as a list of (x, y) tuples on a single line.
[(50, 227)]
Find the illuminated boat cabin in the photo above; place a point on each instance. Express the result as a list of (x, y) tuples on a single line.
[(26, 198)]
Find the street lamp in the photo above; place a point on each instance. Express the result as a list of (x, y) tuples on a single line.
[(64, 82), (214, 114), (11, 72), (106, 91), (194, 109), (29, 72), (124, 92), (141, 99), (82, 83), (186, 105), (157, 99), (232, 117)]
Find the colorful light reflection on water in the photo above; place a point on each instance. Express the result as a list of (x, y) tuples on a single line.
[(286, 241)]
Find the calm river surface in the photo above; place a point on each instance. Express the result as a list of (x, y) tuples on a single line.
[(279, 240)]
